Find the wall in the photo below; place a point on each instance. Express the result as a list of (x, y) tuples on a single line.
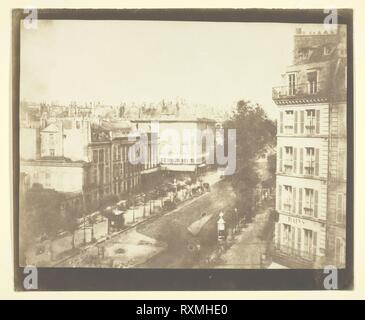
[(58, 177), (297, 184), (29, 143)]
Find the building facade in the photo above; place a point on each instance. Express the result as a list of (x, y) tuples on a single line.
[(311, 153), (88, 162)]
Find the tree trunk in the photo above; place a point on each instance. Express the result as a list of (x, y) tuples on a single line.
[(73, 240), (92, 232)]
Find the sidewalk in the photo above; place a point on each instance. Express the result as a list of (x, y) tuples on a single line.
[(122, 251), (247, 248), (62, 249)]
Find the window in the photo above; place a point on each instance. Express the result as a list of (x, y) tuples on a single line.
[(107, 155), (52, 152), (125, 154), (101, 155), (78, 125), (94, 176), (340, 208), (312, 82), (340, 251), (309, 161), (292, 83), (310, 121), (308, 201), (308, 242), (95, 156), (114, 150), (107, 174), (51, 139), (287, 198), (289, 122), (326, 50), (288, 159), (341, 163)]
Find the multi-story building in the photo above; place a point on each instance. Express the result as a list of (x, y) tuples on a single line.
[(183, 145), (311, 153), (89, 162)]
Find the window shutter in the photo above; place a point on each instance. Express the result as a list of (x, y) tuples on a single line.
[(280, 159), (314, 243), (302, 121), (300, 201), (279, 196), (295, 160), (337, 250), (281, 122), (339, 207), (295, 122), (316, 170), (294, 199), (315, 203), (301, 160), (317, 121), (299, 239), (293, 238)]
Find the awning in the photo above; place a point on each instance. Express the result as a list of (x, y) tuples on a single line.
[(181, 168)]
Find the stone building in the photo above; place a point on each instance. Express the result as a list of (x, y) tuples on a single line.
[(88, 162), (311, 153), (183, 144)]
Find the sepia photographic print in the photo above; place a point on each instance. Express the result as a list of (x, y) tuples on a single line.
[(183, 149)]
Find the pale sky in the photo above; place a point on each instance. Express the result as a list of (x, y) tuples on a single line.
[(212, 63)]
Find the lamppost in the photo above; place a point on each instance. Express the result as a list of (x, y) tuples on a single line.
[(236, 220), (221, 227)]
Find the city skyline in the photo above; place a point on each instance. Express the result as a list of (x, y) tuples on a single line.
[(214, 60)]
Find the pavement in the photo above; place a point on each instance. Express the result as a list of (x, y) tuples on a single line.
[(146, 247), (185, 237), (123, 251), (184, 248), (249, 248)]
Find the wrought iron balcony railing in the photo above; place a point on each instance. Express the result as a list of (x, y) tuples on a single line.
[(306, 255), (309, 90)]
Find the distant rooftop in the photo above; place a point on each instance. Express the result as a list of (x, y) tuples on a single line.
[(176, 120)]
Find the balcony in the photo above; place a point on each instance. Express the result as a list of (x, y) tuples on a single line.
[(167, 161), (308, 211), (309, 92), (288, 165), (309, 168), (288, 162), (287, 205), (310, 125), (292, 257), (309, 163)]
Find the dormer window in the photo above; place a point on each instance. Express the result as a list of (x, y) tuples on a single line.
[(303, 53)]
